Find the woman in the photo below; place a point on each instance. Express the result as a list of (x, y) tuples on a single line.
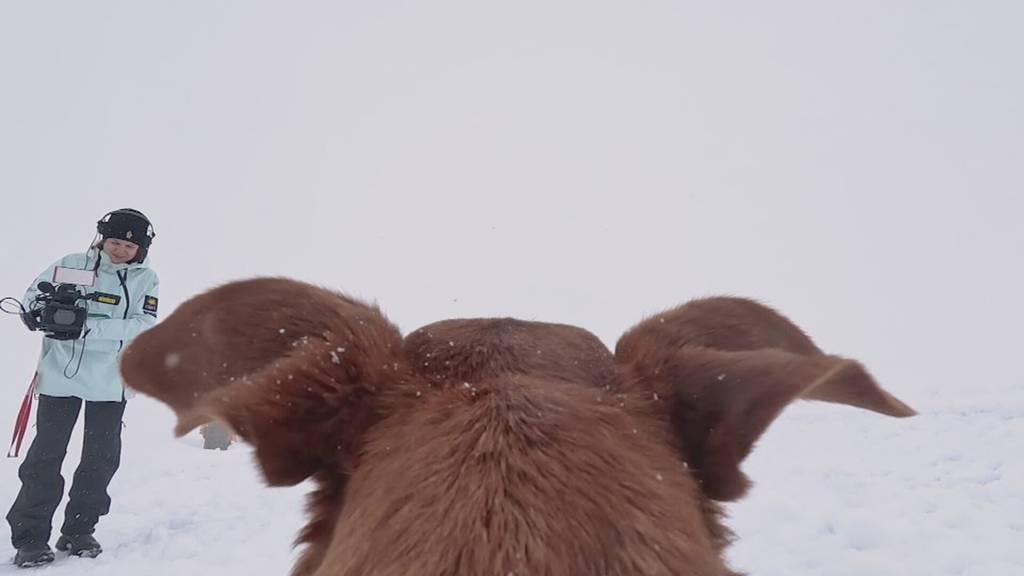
[(84, 368)]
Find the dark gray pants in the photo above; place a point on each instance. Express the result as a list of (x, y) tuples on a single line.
[(42, 485)]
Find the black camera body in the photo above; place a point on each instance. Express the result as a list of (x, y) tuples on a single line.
[(57, 312)]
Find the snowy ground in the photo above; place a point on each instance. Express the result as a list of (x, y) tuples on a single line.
[(838, 492), (847, 493), (178, 509)]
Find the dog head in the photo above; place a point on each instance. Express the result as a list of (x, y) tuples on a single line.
[(493, 445)]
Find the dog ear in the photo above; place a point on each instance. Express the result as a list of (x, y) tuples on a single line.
[(718, 401), (298, 371)]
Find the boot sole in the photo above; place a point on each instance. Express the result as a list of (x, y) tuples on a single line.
[(36, 563), (87, 553), (66, 547)]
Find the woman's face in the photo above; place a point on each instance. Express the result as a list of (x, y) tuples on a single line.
[(120, 251)]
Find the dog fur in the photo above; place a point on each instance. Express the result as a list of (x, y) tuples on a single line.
[(493, 446)]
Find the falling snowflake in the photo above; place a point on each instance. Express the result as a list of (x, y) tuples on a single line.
[(172, 360)]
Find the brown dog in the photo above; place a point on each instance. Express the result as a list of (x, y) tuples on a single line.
[(493, 446)]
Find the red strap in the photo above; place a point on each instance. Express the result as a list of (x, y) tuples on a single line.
[(21, 426)]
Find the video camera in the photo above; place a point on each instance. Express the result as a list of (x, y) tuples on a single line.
[(56, 311)]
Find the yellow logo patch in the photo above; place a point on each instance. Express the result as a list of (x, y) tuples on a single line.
[(149, 305), (104, 298)]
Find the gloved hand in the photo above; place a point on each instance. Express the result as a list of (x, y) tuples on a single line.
[(30, 321)]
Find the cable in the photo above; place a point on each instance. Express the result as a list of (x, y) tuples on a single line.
[(98, 248), (74, 344), (7, 299), (70, 360)]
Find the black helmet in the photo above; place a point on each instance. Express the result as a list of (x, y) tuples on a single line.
[(128, 224)]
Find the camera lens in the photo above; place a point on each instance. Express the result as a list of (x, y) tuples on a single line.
[(64, 317)]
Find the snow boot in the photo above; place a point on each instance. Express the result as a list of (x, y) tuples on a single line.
[(83, 545), (33, 554)]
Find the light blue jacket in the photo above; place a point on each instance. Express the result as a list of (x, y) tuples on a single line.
[(88, 367)]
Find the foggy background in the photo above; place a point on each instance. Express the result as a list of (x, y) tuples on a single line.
[(857, 165)]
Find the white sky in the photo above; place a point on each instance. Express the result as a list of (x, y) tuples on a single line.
[(858, 165)]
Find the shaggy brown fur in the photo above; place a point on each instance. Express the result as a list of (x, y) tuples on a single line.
[(493, 446)]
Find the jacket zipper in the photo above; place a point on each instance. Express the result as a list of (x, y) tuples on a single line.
[(127, 298)]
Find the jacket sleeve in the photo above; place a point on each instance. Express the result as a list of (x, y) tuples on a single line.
[(139, 318)]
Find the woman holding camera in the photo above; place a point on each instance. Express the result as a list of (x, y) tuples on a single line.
[(82, 366)]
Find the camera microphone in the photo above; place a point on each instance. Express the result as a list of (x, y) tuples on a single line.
[(46, 287)]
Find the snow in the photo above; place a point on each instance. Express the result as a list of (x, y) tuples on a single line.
[(837, 491), (172, 360), (852, 493), (178, 509)]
